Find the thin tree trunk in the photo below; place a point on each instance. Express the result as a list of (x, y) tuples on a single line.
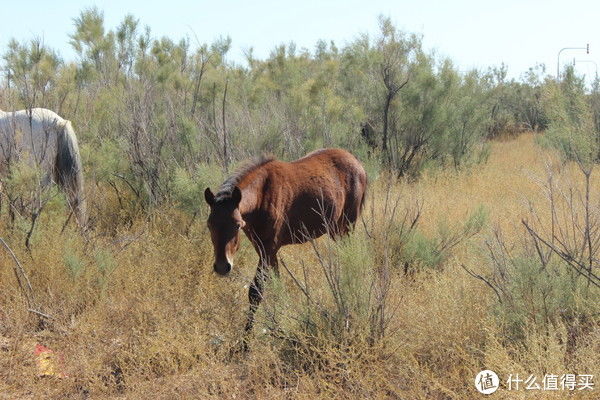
[(197, 87), (386, 109), (225, 145)]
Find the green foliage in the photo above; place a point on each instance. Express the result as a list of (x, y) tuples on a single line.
[(572, 127), (350, 312), (516, 106), (421, 251), (74, 264), (104, 261), (105, 160), (148, 110), (539, 296), (106, 264), (28, 190), (23, 178), (427, 112), (32, 69), (188, 188)]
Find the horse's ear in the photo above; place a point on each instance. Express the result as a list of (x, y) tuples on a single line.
[(209, 197), (236, 195)]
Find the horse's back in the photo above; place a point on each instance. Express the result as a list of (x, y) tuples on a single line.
[(32, 132), (39, 115), (321, 192), (34, 121), (334, 154), (337, 166)]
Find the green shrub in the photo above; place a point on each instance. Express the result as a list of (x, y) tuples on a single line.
[(537, 296), (572, 128), (338, 305), (188, 188), (421, 251), (74, 264)]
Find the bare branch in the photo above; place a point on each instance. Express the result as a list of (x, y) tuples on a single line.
[(19, 271), (484, 280), (577, 266)]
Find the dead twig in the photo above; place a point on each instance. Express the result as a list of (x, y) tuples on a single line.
[(25, 285), (484, 280), (21, 276), (40, 314)]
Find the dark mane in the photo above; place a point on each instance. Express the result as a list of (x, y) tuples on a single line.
[(227, 186)]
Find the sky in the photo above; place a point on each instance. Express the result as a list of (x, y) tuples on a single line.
[(474, 34)]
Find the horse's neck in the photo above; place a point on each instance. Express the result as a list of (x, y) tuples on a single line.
[(252, 191)]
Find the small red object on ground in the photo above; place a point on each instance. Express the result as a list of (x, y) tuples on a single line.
[(48, 362)]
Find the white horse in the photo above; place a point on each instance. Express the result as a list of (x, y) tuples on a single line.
[(44, 140)]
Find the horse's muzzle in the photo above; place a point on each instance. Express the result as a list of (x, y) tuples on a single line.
[(222, 268)]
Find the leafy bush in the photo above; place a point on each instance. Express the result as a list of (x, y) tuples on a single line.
[(516, 106), (188, 188), (572, 128), (534, 295), (421, 251), (316, 324)]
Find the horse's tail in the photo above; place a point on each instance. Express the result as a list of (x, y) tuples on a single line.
[(69, 171)]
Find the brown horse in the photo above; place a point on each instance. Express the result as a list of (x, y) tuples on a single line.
[(278, 203)]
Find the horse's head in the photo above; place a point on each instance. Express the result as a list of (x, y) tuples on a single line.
[(224, 223)]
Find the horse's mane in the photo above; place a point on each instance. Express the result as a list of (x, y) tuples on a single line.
[(233, 180)]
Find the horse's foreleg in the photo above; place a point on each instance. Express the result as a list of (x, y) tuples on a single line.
[(255, 296), (256, 290)]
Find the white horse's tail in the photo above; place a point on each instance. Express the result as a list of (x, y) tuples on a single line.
[(69, 171)]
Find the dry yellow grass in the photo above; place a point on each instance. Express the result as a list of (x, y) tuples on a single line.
[(139, 314), (503, 185)]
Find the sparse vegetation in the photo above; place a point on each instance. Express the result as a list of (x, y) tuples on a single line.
[(439, 280)]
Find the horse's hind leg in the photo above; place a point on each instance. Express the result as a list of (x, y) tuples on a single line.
[(350, 215)]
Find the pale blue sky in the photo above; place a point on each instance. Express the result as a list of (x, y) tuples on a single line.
[(472, 33)]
